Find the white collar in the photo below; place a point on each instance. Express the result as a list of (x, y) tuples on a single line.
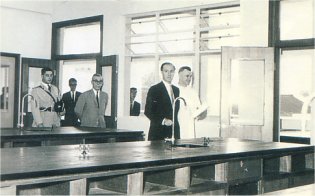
[(95, 92), (167, 84), (45, 85)]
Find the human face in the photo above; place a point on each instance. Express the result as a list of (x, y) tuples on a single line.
[(168, 72), (73, 86), (185, 77), (97, 82), (133, 94), (47, 77)]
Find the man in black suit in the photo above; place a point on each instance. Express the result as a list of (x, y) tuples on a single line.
[(158, 106), (70, 99), (134, 105)]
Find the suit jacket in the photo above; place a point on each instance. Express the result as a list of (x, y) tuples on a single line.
[(71, 118), (44, 100), (88, 111), (158, 106), (135, 110)]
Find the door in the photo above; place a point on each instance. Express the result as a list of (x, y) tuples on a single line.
[(107, 66), (247, 85), (9, 85), (31, 77)]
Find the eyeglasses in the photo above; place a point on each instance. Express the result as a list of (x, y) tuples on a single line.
[(98, 81)]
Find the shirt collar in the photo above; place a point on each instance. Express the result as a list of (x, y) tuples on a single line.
[(95, 91), (167, 84), (45, 85)]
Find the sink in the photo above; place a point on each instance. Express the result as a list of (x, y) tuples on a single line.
[(190, 145)]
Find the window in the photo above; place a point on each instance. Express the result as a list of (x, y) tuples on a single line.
[(80, 39), (81, 70), (294, 45), (296, 19), (191, 37), (295, 90), (76, 45)]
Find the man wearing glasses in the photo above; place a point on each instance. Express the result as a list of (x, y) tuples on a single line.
[(70, 99), (91, 105)]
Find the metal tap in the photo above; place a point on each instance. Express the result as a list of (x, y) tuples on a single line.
[(22, 113), (172, 140)]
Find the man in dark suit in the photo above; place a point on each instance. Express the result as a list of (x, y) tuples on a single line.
[(134, 105), (91, 105), (70, 99), (158, 106)]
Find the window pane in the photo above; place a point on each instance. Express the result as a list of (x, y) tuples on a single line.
[(296, 19), (145, 48), (4, 86), (219, 27), (35, 79), (144, 25), (176, 42), (142, 77), (296, 68), (210, 82), (80, 39), (81, 70), (178, 21)]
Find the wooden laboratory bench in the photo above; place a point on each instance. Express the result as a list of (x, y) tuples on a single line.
[(198, 166), (14, 137)]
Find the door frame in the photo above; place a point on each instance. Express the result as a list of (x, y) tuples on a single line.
[(37, 63), (241, 130), (112, 61), (17, 95)]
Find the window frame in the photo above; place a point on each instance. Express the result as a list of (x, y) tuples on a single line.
[(81, 21), (280, 45), (196, 52)]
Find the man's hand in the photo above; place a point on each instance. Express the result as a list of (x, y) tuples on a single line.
[(168, 122)]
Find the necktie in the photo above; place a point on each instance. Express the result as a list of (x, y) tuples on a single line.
[(72, 96), (49, 88), (98, 104), (130, 107)]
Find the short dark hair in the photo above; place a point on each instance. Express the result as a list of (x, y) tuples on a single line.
[(45, 69), (97, 75), (133, 89), (71, 80), (166, 63), (183, 68)]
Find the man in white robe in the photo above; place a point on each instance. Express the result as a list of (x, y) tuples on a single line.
[(186, 113)]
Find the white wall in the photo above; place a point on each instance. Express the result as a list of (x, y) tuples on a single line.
[(25, 32)]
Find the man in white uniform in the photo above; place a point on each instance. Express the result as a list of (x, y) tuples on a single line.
[(185, 114)]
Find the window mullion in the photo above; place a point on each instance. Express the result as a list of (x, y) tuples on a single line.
[(196, 65)]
